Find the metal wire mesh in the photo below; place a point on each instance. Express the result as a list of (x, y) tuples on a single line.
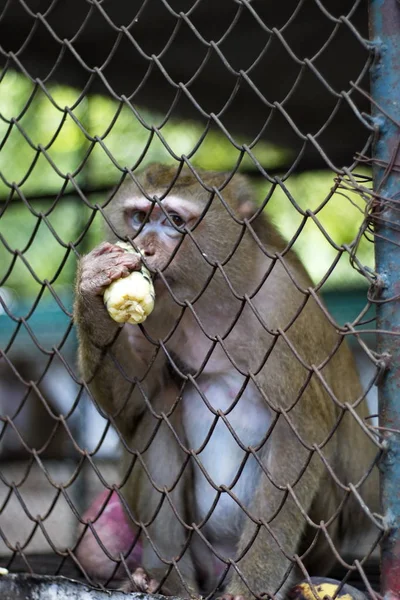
[(45, 493)]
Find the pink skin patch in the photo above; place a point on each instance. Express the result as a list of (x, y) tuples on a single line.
[(116, 535)]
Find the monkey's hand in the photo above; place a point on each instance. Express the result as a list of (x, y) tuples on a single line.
[(96, 271), (104, 265), (141, 581)]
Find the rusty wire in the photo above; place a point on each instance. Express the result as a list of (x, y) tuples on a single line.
[(84, 462)]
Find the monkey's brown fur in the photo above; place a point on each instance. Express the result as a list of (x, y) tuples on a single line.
[(300, 371)]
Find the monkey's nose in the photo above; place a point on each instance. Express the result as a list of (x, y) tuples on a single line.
[(148, 251)]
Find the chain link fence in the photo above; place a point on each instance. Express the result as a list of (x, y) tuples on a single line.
[(225, 444)]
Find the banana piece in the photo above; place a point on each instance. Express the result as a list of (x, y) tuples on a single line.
[(325, 588), (130, 299)]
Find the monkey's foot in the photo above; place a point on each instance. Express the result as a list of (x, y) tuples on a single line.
[(141, 582)]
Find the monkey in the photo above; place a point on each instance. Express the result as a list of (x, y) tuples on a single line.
[(238, 403)]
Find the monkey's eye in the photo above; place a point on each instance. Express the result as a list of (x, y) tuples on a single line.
[(138, 217), (176, 220)]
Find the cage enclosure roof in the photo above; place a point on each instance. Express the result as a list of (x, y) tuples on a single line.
[(283, 71)]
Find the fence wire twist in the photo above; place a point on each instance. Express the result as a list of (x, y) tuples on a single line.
[(53, 482)]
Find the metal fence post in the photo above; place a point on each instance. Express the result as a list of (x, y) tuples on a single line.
[(385, 91)]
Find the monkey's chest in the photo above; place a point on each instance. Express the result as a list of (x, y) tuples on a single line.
[(222, 456)]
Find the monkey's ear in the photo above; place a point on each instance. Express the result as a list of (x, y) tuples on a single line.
[(246, 209), (246, 206)]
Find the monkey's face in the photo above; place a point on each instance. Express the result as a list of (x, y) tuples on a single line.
[(160, 231), (183, 235)]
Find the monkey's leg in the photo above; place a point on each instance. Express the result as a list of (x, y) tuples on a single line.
[(268, 564), (167, 559), (160, 492)]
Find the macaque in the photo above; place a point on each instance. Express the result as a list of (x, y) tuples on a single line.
[(230, 400)]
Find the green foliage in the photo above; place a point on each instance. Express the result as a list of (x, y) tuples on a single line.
[(339, 215)]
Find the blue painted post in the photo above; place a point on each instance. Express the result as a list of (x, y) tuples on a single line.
[(385, 91)]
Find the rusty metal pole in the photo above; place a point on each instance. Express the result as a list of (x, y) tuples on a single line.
[(385, 91)]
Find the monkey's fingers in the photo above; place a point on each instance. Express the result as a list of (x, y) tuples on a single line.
[(106, 248), (324, 588), (102, 266)]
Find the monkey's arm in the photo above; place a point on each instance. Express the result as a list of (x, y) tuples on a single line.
[(112, 366)]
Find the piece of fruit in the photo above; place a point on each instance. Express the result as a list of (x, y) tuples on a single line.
[(324, 588), (130, 299)]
